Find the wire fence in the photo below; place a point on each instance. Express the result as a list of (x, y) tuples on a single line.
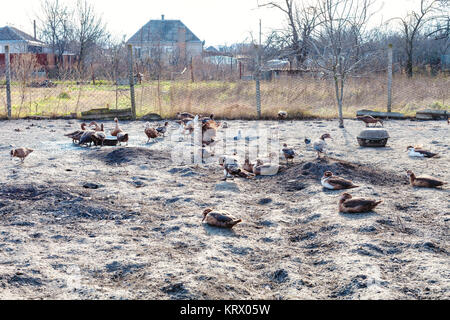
[(301, 95)]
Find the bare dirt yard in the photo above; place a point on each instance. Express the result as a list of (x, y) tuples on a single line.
[(125, 222)]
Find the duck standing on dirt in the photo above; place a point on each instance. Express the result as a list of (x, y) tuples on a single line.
[(21, 153), (369, 119), (123, 137), (289, 154), (320, 145), (424, 182), (150, 132), (415, 152), (349, 205), (220, 219), (331, 182), (162, 130), (76, 136)]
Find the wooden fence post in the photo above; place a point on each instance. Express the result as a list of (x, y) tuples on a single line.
[(132, 94), (390, 61), (8, 81)]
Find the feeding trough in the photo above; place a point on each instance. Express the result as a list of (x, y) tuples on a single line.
[(373, 138), (110, 141)]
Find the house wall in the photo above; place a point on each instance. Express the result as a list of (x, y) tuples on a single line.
[(14, 46)]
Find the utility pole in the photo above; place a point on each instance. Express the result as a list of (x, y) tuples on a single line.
[(8, 81), (390, 61), (130, 69), (258, 75)]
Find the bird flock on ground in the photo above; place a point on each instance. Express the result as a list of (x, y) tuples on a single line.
[(94, 134)]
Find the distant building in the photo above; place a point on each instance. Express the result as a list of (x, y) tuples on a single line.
[(20, 42), (170, 41)]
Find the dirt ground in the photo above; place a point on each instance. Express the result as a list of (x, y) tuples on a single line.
[(125, 222)]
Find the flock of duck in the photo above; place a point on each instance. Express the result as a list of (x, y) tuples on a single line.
[(95, 134)]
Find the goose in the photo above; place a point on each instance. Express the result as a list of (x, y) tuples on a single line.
[(320, 145), (416, 152), (150, 132), (369, 119), (349, 205), (117, 129), (289, 153), (424, 182), (162, 130), (282, 115), (220, 219), (21, 153), (329, 181), (261, 169)]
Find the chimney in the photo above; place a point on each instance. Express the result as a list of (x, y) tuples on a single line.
[(162, 17), (34, 25)]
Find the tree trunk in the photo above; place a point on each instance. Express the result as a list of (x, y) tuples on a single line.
[(339, 85)]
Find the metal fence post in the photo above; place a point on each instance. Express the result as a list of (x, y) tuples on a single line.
[(132, 94), (390, 61), (8, 81)]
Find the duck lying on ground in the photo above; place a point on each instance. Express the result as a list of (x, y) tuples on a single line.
[(424, 182), (331, 182), (220, 219), (361, 205)]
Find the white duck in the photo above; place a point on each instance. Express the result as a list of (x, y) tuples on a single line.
[(320, 145)]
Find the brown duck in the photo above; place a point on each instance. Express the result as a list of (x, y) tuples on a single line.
[(97, 127), (220, 219), (424, 182), (369, 119), (151, 132), (76, 136), (329, 181), (349, 205), (21, 153)]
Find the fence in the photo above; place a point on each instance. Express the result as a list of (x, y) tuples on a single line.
[(302, 95)]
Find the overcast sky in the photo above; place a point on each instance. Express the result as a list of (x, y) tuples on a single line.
[(215, 21)]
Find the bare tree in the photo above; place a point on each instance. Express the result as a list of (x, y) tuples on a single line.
[(411, 26), (302, 20), (89, 29), (339, 41)]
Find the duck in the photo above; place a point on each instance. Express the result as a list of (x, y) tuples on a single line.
[(231, 168), (162, 130), (185, 115), (150, 132), (261, 169), (88, 137), (97, 127), (21, 153), (369, 119), (191, 125), (225, 125), (282, 115), (117, 129), (416, 152), (123, 137), (248, 166), (289, 154), (424, 182), (76, 136), (361, 205), (220, 219), (331, 182), (209, 131), (320, 145)]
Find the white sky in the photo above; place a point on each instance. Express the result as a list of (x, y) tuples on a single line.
[(215, 21)]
